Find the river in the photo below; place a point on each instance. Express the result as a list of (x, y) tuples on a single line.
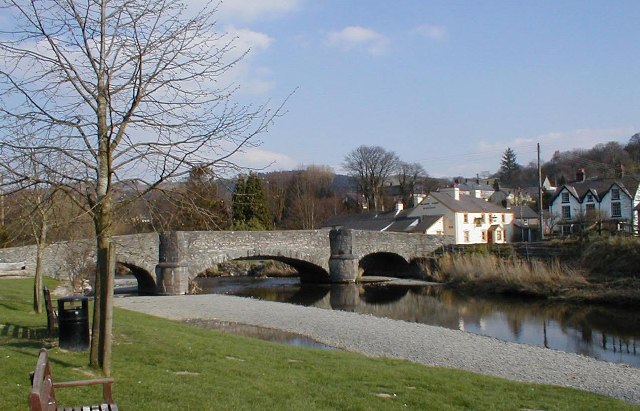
[(606, 333)]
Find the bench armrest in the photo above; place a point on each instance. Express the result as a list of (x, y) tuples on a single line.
[(106, 386)]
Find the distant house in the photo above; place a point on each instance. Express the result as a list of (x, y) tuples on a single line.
[(395, 221), (587, 201), (475, 186), (468, 218), (526, 223)]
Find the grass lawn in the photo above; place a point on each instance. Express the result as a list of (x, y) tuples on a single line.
[(165, 365)]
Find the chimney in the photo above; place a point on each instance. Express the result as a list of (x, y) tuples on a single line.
[(580, 175), (620, 171), (399, 207)]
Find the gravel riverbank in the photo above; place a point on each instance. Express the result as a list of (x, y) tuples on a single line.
[(420, 343)]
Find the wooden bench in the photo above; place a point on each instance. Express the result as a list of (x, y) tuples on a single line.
[(43, 397), (52, 316)]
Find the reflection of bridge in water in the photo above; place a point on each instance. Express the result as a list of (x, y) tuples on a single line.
[(166, 263), (607, 333)]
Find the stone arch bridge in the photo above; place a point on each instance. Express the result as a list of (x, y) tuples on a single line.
[(165, 263)]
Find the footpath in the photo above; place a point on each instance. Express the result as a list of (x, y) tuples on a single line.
[(425, 344)]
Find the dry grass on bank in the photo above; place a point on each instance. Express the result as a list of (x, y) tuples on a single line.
[(513, 275)]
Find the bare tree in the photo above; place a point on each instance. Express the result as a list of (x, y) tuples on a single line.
[(410, 177), (309, 197), (371, 166), (129, 93)]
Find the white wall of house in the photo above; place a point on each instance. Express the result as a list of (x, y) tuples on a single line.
[(623, 201), (474, 229), (566, 207), (436, 228)]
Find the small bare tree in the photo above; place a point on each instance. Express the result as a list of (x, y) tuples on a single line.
[(130, 94), (410, 176)]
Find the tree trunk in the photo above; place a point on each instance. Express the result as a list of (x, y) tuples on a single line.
[(41, 243), (106, 311), (37, 282), (104, 277)]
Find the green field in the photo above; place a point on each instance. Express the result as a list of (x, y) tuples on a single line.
[(165, 365)]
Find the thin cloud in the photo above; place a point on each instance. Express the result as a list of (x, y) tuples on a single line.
[(233, 10), (356, 38), (252, 79), (431, 32), (258, 159)]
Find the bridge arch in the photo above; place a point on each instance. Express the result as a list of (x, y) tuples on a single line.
[(308, 271), (386, 264), (146, 281)]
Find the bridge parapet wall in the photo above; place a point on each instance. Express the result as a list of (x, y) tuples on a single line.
[(205, 249), (61, 259), (407, 245)]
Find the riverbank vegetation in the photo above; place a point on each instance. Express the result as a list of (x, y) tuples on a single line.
[(160, 364), (597, 270)]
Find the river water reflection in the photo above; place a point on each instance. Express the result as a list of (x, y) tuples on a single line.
[(605, 333)]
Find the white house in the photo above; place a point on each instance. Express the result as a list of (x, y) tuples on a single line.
[(588, 201), (468, 218)]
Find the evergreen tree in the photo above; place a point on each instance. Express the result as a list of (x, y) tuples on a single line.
[(509, 166), (257, 202), (238, 201), (250, 211)]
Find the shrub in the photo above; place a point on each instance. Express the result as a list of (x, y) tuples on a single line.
[(613, 256)]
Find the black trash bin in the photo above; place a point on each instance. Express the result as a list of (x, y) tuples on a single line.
[(73, 323)]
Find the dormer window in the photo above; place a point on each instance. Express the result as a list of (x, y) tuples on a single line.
[(589, 198), (565, 197), (615, 194)]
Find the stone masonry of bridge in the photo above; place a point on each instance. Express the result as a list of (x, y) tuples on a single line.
[(165, 263)]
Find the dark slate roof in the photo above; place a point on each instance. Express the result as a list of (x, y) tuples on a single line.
[(389, 221), (522, 212), (467, 203), (599, 187)]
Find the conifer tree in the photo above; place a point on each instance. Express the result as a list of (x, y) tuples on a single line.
[(509, 166), (250, 211)]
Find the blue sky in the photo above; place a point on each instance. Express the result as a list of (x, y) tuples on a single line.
[(447, 84)]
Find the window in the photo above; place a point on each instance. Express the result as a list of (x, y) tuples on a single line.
[(615, 194), (498, 235), (466, 236), (504, 218), (589, 199), (465, 218), (566, 212), (484, 236), (565, 197), (616, 210), (591, 208)]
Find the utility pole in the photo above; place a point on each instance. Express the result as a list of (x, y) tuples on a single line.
[(540, 196)]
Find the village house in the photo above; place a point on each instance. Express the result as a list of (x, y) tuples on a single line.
[(467, 217), (586, 202)]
